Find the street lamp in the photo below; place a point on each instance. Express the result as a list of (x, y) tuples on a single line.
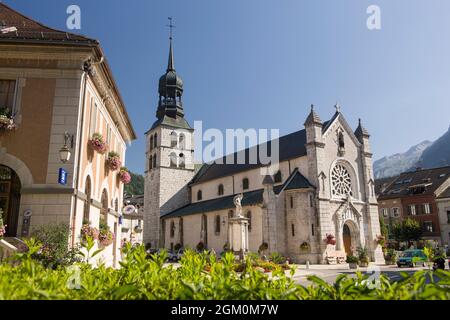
[(64, 152)]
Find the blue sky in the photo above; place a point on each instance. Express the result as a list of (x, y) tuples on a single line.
[(261, 63)]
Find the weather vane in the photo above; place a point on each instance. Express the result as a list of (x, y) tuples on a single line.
[(171, 26)]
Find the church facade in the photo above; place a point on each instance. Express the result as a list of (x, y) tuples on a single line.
[(324, 188)]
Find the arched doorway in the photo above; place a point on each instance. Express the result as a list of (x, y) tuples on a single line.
[(350, 237), (10, 187)]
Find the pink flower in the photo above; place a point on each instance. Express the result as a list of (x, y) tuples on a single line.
[(124, 176)]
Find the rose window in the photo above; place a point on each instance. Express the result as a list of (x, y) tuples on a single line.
[(341, 181)]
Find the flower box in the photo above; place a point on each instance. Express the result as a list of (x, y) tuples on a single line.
[(6, 120), (124, 176), (113, 161), (98, 144)]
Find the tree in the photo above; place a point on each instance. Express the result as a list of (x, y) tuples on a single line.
[(384, 229), (407, 230), (136, 187)]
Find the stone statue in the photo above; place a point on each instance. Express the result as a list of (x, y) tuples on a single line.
[(237, 202)]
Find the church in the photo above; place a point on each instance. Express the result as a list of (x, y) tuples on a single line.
[(321, 200)]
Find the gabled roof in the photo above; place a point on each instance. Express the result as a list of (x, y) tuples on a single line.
[(445, 194), (297, 181), (250, 198), (414, 183), (290, 146), (32, 31)]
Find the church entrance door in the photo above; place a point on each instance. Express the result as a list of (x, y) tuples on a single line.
[(347, 237)]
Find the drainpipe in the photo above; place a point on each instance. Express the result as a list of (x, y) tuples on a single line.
[(86, 70)]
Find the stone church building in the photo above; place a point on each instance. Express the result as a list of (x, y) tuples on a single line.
[(324, 186)]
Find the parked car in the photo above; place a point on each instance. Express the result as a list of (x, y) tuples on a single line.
[(412, 258)]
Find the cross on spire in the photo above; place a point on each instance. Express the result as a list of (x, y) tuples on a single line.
[(171, 64), (171, 26)]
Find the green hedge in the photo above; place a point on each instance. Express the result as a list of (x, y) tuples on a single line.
[(200, 276)]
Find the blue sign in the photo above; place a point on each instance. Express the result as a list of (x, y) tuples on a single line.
[(62, 176)]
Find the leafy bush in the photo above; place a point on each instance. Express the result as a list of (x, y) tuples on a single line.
[(352, 259), (198, 279), (54, 250), (277, 258)]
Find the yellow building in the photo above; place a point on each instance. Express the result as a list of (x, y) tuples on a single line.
[(56, 93)]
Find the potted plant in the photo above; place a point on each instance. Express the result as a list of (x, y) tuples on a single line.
[(105, 236), (98, 144), (113, 161), (363, 256), (304, 247), (124, 175), (6, 120), (352, 261), (391, 256)]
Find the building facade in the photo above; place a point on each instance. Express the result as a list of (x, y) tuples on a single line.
[(57, 91), (324, 187), (422, 196)]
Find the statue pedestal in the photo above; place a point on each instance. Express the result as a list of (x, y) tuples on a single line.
[(238, 235)]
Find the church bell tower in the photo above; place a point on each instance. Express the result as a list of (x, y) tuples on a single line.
[(169, 155)]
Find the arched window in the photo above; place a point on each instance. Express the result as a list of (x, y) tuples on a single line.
[(182, 161), (341, 181), (173, 139), (104, 209), (245, 184), (173, 160), (217, 225), (155, 141), (199, 195), (150, 163), (220, 190), (151, 143), (182, 141), (154, 161), (172, 229), (249, 217), (87, 203), (278, 177), (341, 141)]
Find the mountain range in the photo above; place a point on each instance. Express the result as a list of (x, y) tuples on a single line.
[(426, 154)]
